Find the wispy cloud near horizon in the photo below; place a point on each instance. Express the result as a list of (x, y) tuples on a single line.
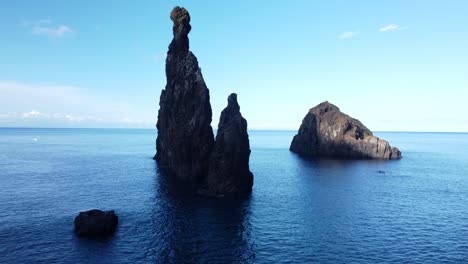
[(33, 114), (63, 106), (46, 27), (348, 35), (37, 118)]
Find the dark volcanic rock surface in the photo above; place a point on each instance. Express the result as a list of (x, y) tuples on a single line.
[(185, 146), (96, 223), (229, 171), (327, 132), (185, 137)]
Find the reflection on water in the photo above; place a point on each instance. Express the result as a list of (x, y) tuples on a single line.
[(300, 211), (194, 229)]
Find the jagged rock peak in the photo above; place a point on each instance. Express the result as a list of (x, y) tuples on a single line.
[(185, 136), (185, 145), (181, 18), (327, 132), (229, 171), (325, 107), (232, 102)]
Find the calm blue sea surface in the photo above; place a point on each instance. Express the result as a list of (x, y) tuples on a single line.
[(414, 210)]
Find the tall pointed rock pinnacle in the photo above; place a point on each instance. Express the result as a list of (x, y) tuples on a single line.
[(185, 136), (229, 171), (185, 146)]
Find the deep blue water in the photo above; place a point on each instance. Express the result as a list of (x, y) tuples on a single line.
[(300, 211)]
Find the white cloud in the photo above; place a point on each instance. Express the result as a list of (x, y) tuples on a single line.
[(58, 31), (46, 27), (62, 106), (34, 118), (34, 114), (8, 115), (389, 27), (348, 34), (24, 96), (80, 119)]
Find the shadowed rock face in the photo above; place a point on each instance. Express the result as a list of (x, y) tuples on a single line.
[(96, 223), (327, 132), (185, 137), (185, 146), (229, 171)]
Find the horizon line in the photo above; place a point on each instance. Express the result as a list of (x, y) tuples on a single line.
[(254, 129)]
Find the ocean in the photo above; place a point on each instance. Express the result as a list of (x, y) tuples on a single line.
[(412, 210)]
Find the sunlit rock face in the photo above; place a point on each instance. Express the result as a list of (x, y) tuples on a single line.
[(327, 132)]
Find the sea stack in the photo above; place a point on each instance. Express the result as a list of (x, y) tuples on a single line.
[(327, 132), (229, 171), (185, 146), (185, 137)]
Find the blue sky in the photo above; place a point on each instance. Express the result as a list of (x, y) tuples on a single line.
[(395, 65)]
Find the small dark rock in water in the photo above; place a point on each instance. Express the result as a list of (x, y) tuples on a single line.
[(229, 171), (381, 172), (327, 132), (96, 223)]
